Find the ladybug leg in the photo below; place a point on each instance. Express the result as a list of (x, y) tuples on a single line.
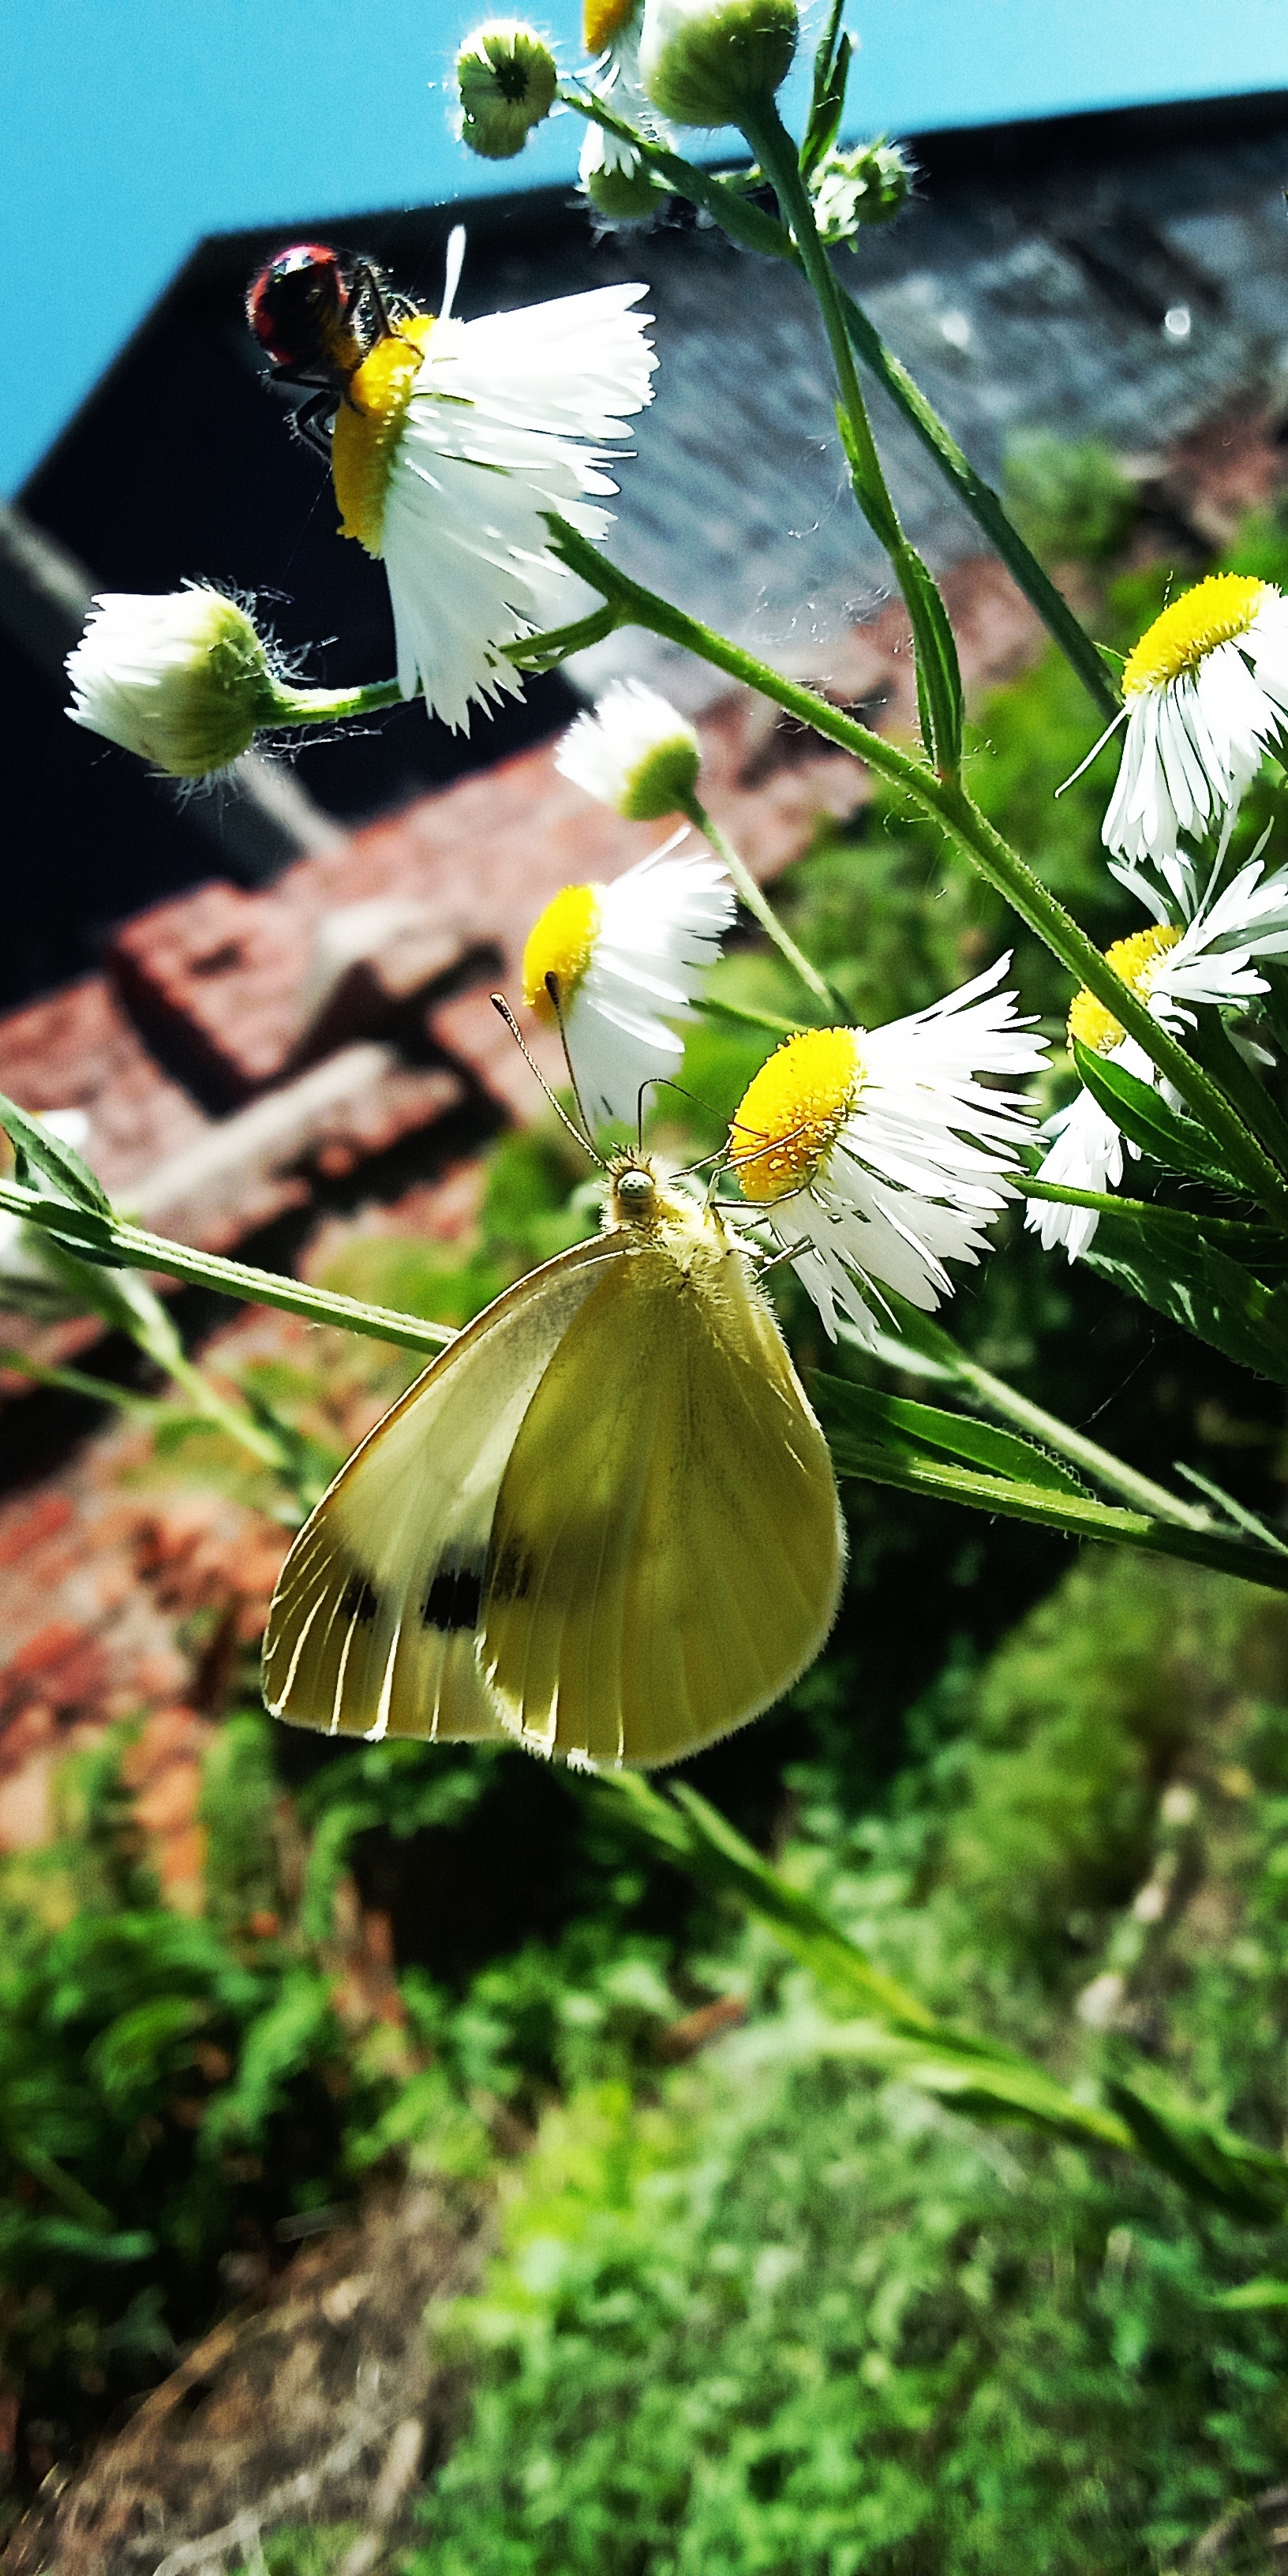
[(386, 307), (312, 422)]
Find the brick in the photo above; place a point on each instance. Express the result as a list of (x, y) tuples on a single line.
[(51, 1514), (78, 1050), (213, 981)]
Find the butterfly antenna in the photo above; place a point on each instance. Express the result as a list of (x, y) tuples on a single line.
[(580, 1135), (556, 1004)]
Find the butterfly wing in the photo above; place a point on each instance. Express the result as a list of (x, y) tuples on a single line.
[(667, 1546), (373, 1627)]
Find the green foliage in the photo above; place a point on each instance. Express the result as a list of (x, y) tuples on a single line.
[(1070, 499), (780, 2316)]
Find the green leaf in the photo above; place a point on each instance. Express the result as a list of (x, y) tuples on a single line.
[(38, 1151), (1205, 2157), (939, 681), (1264, 2292), (1186, 1279), (827, 97), (1144, 1116), (917, 1427)]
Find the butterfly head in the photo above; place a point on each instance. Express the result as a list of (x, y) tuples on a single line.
[(634, 1198)]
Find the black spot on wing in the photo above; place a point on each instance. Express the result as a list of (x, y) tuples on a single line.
[(453, 1598), (359, 1602)]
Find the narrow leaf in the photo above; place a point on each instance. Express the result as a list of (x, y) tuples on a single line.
[(38, 1151), (918, 1427), (1212, 2164), (1144, 1117)]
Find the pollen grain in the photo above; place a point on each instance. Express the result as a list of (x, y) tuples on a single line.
[(1216, 611), (368, 426), (793, 1111), (561, 944), (1135, 960)]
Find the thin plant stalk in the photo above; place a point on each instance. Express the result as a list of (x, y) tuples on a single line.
[(948, 803), (760, 907)]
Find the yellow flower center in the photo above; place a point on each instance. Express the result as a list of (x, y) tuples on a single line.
[(368, 427), (1215, 612), (561, 944), (792, 1113), (602, 20), (1135, 960)]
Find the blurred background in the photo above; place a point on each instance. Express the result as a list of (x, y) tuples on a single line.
[(301, 2045)]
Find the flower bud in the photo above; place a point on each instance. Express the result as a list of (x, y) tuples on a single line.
[(867, 186), (706, 62), (507, 79), (635, 753), (624, 191), (183, 680)]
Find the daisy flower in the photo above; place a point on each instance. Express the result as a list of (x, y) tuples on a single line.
[(453, 440), (626, 959), (635, 753), (1206, 692), (1174, 966), (182, 679), (877, 1155), (611, 29)]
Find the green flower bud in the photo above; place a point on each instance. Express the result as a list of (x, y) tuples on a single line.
[(706, 62), (866, 186), (183, 680), (507, 79), (624, 194)]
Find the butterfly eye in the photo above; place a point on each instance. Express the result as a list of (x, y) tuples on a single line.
[(636, 1190)]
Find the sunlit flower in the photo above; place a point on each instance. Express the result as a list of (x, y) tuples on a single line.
[(453, 440), (877, 1155), (1206, 692), (612, 33), (625, 960), (507, 80), (635, 753), (181, 679), (869, 185), (1174, 967)]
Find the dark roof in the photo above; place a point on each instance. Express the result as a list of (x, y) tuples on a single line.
[(1030, 283)]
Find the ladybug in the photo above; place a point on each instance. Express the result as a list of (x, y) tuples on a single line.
[(317, 313)]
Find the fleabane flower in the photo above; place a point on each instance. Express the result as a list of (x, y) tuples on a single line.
[(635, 752), (1174, 967), (612, 173), (626, 959), (875, 1156), (182, 679), (507, 79), (452, 441), (1206, 691)]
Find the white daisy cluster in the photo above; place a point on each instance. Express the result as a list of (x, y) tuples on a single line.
[(1205, 696)]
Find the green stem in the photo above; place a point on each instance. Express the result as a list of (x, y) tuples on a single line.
[(759, 905), (985, 508), (337, 706), (94, 1235), (950, 806), (225, 1416), (939, 680), (1068, 1513), (1100, 1465), (751, 227), (744, 223)]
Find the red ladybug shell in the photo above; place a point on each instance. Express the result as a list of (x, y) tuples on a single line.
[(295, 300)]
